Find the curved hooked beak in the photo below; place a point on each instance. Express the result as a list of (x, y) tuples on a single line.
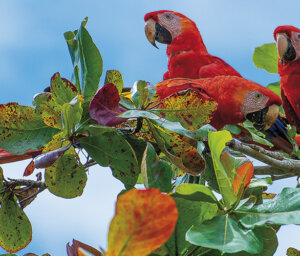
[(155, 32), (285, 49), (265, 118)]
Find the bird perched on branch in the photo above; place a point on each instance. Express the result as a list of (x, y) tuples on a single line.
[(188, 58), (187, 54)]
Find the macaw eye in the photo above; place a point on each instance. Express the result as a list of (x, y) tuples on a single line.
[(168, 16), (258, 96)]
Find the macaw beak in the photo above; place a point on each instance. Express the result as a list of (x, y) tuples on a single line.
[(155, 32), (285, 49), (265, 118)]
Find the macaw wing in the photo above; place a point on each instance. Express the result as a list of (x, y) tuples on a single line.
[(217, 67), (291, 108)]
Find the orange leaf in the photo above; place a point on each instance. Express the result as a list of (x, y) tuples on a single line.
[(29, 169), (243, 177), (144, 220)]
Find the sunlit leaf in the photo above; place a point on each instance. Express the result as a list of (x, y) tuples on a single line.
[(144, 220), (243, 178), (266, 57), (71, 115), (191, 108), (216, 142), (22, 129), (15, 227), (105, 108), (114, 77), (224, 233), (49, 105), (66, 177)]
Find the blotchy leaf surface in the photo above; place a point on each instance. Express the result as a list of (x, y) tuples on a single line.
[(104, 107), (143, 221), (224, 234), (21, 129), (111, 149), (15, 227), (66, 177), (114, 77), (191, 108)]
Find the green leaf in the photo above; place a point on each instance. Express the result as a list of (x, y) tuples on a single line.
[(216, 142), (256, 135), (111, 149), (25, 129), (195, 192), (49, 105), (275, 87), (73, 47), (266, 57), (91, 62), (224, 233), (156, 173), (190, 212), (66, 177), (283, 209), (15, 227), (115, 77), (264, 182), (139, 93), (71, 113), (138, 113)]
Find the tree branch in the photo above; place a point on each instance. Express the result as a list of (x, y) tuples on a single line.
[(278, 164), (27, 183)]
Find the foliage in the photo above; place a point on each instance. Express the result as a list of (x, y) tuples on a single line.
[(212, 207)]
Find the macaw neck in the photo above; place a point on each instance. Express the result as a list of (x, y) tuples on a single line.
[(187, 41), (290, 68)]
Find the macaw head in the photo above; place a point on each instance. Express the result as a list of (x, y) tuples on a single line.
[(288, 44), (165, 26)]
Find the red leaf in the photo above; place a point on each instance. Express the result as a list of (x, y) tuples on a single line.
[(104, 107), (243, 177), (6, 157), (29, 169), (144, 220)]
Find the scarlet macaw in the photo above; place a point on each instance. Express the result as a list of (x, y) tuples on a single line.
[(288, 45), (187, 54)]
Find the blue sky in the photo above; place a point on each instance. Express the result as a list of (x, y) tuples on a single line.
[(32, 49)]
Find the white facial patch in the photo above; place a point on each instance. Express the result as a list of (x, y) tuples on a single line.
[(295, 39), (171, 22), (253, 102)]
